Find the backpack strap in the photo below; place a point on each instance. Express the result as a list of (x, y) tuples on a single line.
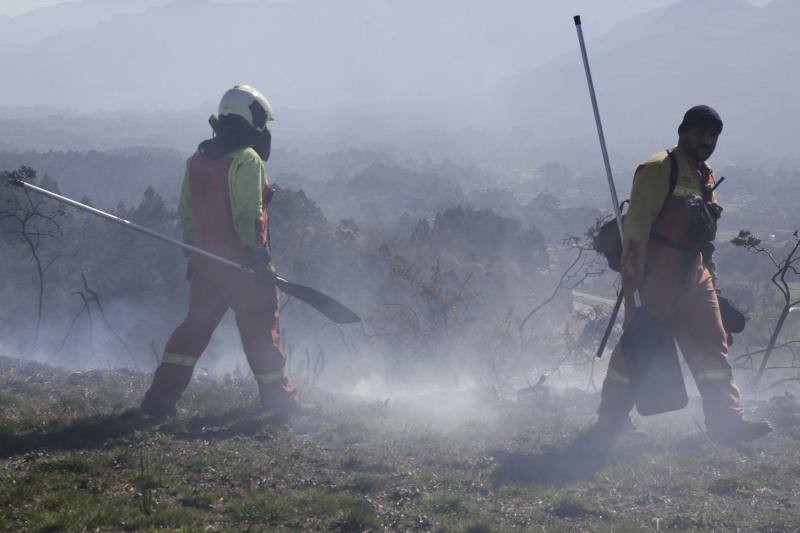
[(673, 182), (673, 172), (607, 240)]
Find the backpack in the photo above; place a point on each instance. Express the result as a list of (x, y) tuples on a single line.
[(607, 241)]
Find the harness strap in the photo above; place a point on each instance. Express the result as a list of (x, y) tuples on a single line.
[(660, 239)]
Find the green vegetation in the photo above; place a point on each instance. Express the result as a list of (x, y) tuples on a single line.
[(456, 274), (232, 468)]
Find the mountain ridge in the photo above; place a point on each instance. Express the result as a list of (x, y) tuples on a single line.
[(650, 69), (64, 17), (314, 52)]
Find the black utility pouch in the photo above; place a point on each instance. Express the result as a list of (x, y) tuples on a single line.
[(703, 218)]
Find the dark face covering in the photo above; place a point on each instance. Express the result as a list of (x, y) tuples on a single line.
[(232, 133), (263, 145)]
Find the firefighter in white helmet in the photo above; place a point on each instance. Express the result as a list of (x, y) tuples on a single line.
[(223, 209)]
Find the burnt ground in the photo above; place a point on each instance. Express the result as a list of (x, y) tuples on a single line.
[(76, 456)]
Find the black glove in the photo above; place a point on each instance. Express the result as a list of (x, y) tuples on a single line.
[(733, 318), (703, 218), (262, 264)]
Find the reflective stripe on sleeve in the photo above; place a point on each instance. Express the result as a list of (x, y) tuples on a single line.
[(178, 359)]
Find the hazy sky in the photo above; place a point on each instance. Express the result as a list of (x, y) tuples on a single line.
[(17, 7), (13, 8)]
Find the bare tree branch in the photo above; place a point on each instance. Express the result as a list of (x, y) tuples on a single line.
[(34, 222), (783, 266)]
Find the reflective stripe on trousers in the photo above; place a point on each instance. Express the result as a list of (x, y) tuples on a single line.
[(269, 378), (616, 375), (179, 360)]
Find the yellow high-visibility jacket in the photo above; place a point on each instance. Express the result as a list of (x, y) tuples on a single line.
[(247, 181), (648, 197)]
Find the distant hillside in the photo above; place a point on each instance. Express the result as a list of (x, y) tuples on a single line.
[(106, 177), (411, 78), (730, 54), (65, 17), (308, 53)]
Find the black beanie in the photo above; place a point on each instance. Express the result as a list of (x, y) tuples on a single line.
[(701, 116)]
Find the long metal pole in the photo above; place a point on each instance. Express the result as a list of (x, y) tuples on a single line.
[(610, 327), (130, 225), (601, 135), (334, 310)]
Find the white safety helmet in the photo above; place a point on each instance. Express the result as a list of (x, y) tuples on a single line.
[(247, 102)]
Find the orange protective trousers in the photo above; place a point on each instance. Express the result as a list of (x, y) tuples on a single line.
[(256, 309), (686, 301)]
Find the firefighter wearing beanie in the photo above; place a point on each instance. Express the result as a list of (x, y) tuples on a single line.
[(668, 260)]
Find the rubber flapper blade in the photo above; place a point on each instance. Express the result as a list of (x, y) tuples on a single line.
[(334, 310), (655, 369)]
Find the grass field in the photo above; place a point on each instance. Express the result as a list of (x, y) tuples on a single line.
[(76, 458)]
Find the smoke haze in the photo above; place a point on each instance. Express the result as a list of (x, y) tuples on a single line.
[(410, 137)]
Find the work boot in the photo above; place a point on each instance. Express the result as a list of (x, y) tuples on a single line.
[(282, 401), (156, 411), (599, 439), (590, 451), (168, 385), (738, 431)]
